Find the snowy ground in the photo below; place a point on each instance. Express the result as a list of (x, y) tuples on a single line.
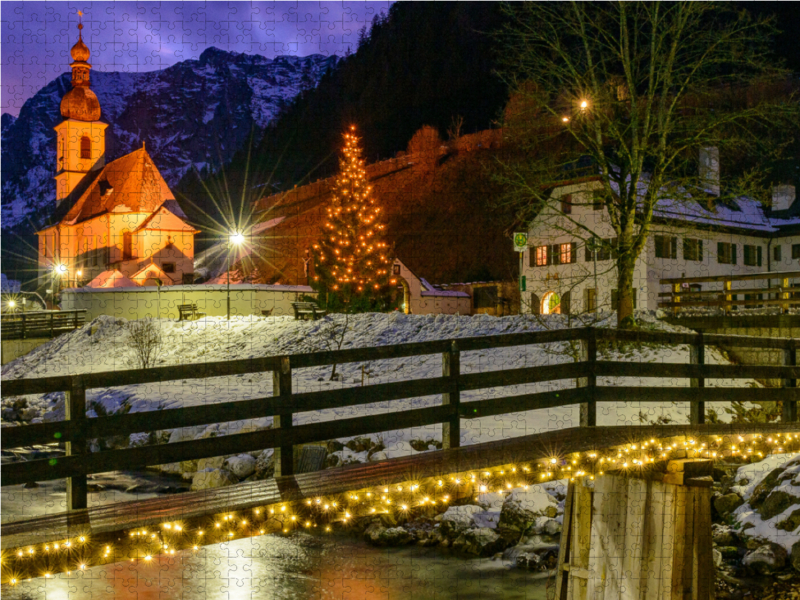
[(101, 346)]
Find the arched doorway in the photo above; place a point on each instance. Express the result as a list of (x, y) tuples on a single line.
[(406, 306), (551, 304)]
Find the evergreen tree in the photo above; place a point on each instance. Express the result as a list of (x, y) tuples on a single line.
[(351, 260)]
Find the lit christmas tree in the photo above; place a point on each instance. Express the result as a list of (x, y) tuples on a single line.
[(351, 260)]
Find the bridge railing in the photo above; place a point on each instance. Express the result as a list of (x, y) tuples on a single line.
[(77, 430), (779, 290)]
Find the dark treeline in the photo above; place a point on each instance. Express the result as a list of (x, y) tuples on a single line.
[(421, 64)]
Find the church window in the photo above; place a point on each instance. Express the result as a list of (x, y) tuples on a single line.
[(86, 147)]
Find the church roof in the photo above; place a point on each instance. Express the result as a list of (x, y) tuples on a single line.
[(129, 184)]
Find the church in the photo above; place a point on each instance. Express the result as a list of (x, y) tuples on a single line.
[(112, 222)]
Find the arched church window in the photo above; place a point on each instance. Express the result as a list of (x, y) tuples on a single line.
[(86, 147)]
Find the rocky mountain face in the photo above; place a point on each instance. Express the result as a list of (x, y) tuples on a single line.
[(196, 113)]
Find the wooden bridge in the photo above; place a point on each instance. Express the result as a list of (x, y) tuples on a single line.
[(583, 389)]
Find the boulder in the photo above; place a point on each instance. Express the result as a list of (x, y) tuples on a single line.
[(794, 558), (765, 488), (723, 536), (791, 522), (717, 557), (376, 456), (265, 465), (521, 510), (777, 502), (359, 444), (419, 445), (728, 503), (379, 535), (242, 465), (458, 518), (766, 559), (728, 551), (212, 478), (334, 446), (480, 541)]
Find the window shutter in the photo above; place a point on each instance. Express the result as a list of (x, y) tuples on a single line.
[(532, 256), (699, 250), (720, 252), (758, 255), (573, 249), (554, 255), (587, 255), (674, 247), (733, 254), (565, 303), (535, 306)]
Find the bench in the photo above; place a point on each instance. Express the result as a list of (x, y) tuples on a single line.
[(187, 312), (304, 309)]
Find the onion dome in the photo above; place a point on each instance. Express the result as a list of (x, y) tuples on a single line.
[(81, 104), (80, 52)]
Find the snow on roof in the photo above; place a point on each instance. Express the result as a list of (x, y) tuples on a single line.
[(746, 213), (432, 290), (111, 279)]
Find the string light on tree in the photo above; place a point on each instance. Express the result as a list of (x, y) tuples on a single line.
[(352, 256)]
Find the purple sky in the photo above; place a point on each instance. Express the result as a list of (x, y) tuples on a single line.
[(147, 36)]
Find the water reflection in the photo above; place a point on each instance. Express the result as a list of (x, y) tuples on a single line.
[(299, 566)]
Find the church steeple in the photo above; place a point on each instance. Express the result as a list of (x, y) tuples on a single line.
[(81, 136)]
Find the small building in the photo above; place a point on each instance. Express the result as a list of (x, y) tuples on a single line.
[(118, 216), (570, 272), (422, 298)]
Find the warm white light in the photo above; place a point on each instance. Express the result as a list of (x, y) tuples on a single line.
[(236, 239), (565, 119), (11, 304), (61, 269), (584, 104)]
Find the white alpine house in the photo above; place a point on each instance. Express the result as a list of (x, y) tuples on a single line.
[(569, 266)]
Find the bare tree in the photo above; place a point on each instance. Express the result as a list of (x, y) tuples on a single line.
[(330, 336), (144, 339), (630, 92)]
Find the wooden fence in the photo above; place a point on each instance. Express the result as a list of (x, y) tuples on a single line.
[(48, 323), (683, 296), (77, 429)]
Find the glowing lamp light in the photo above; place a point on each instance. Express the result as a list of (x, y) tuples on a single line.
[(12, 304), (61, 269), (565, 119), (236, 238), (584, 104)]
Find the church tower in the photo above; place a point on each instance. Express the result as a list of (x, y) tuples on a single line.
[(81, 136)]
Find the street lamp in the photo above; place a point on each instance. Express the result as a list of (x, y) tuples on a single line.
[(78, 273), (60, 271), (235, 240)]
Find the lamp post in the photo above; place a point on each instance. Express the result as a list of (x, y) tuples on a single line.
[(60, 271), (235, 240)]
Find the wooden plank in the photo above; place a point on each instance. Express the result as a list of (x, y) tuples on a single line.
[(623, 369), (282, 389), (599, 561), (703, 563), (721, 278), (508, 404), (581, 540), (75, 409), (562, 574), (501, 378), (710, 394), (688, 549), (42, 433), (633, 536), (716, 303), (679, 542), (588, 409), (697, 408)]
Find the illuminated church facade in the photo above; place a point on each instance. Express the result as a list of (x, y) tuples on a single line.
[(110, 219)]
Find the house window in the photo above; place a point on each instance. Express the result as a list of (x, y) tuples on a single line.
[(168, 267), (795, 251), (608, 249), (566, 204), (127, 245), (590, 300), (539, 256), (666, 247), (692, 249), (752, 256), (726, 253), (86, 147), (776, 254), (551, 304), (597, 200), (567, 253)]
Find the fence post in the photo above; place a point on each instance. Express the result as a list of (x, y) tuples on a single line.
[(23, 326), (75, 405), (588, 354), (789, 414), (451, 367), (697, 356), (726, 306), (785, 294), (282, 388)]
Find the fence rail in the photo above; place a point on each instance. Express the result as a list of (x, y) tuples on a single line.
[(785, 295), (23, 325), (584, 390)]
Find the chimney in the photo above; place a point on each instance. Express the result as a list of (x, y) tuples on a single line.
[(782, 197), (709, 169)]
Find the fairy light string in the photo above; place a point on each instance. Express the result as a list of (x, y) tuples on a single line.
[(352, 256), (400, 502)]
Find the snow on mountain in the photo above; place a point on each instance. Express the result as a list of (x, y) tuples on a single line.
[(194, 113)]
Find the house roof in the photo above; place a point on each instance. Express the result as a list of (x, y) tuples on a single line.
[(111, 279), (129, 184), (148, 272)]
